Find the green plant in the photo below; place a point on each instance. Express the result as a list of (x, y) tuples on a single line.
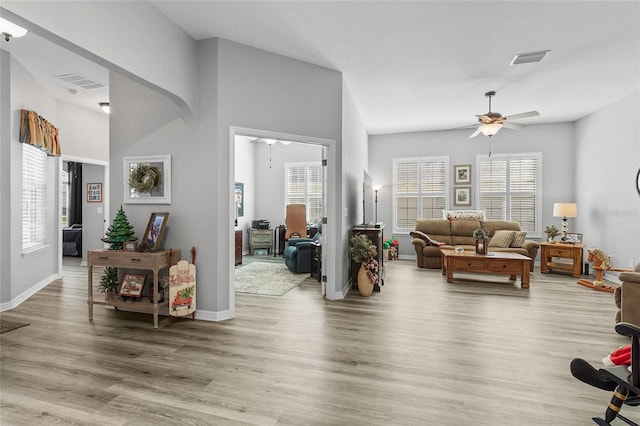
[(480, 234), (119, 232), (109, 280), (551, 231), (362, 249)]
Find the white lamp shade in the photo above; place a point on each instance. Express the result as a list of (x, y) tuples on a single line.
[(490, 129), (565, 210)]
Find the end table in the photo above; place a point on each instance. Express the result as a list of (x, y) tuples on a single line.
[(564, 251)]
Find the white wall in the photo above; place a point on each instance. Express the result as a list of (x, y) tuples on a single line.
[(555, 141), (607, 158), (83, 133), (100, 31), (355, 157)]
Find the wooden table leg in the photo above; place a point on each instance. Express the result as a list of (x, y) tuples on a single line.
[(449, 271), (526, 264), (90, 292), (155, 298)]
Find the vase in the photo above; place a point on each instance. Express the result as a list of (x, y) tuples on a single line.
[(551, 240), (365, 285)]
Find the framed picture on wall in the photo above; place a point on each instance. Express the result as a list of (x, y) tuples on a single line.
[(94, 193), (239, 193), (462, 196), (147, 180), (462, 174)]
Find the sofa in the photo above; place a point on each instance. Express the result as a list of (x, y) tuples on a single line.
[(627, 297), (445, 233)]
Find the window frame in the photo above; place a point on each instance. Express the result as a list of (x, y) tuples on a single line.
[(419, 194), (509, 193)]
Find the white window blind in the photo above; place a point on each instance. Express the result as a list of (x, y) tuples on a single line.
[(509, 188), (420, 190), (304, 186), (34, 190)]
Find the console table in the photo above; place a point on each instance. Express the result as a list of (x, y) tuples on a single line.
[(150, 261), (573, 252)]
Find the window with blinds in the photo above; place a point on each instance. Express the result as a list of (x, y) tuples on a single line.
[(509, 188), (34, 191), (420, 187), (304, 186)]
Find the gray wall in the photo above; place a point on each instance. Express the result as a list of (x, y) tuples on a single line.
[(555, 141), (93, 225), (607, 158), (30, 272)]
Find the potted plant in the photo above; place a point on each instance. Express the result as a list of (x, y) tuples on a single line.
[(109, 282), (552, 232), (480, 236), (364, 252)]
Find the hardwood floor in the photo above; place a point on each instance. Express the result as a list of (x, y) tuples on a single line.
[(478, 351)]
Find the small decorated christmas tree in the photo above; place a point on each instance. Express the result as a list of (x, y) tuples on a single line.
[(119, 232)]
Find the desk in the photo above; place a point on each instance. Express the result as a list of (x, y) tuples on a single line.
[(150, 261), (573, 252)]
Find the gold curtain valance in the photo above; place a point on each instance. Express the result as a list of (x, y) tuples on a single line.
[(37, 131)]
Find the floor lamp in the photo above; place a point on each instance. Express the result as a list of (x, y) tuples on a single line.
[(565, 210), (376, 188)]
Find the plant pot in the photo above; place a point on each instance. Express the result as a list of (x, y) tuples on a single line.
[(365, 285), (109, 295), (551, 240)]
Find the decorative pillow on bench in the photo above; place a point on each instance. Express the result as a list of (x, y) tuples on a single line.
[(424, 237)]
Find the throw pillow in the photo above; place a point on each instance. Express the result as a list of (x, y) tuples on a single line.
[(501, 239), (518, 238), (463, 214)]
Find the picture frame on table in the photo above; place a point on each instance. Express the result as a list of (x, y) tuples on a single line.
[(462, 174), (152, 238), (462, 196), (239, 198), (94, 192), (132, 285), (130, 246), (573, 238), (159, 195)]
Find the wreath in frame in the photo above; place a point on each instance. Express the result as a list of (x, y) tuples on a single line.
[(145, 178)]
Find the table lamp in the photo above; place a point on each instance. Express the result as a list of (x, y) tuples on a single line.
[(565, 210)]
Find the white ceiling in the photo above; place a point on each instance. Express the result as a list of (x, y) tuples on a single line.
[(425, 65)]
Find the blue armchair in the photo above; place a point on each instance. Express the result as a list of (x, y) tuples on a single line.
[(298, 255)]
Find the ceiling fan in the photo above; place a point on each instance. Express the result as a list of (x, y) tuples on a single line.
[(492, 122)]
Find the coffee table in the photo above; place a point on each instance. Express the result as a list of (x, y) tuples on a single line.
[(511, 264)]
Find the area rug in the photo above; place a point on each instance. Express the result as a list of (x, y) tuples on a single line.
[(272, 279), (6, 325)]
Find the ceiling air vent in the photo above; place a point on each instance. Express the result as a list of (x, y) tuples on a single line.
[(527, 58), (80, 81)]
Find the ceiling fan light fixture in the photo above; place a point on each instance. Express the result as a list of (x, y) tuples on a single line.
[(528, 58), (490, 129)]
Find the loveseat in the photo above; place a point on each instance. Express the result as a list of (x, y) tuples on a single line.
[(444, 233)]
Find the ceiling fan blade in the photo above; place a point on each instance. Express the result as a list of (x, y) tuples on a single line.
[(474, 134), (524, 115), (513, 126)]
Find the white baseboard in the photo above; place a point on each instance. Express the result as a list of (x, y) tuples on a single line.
[(14, 303), (212, 315)]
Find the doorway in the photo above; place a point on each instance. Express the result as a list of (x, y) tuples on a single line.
[(327, 152)]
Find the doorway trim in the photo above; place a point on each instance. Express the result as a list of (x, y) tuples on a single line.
[(328, 239)]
